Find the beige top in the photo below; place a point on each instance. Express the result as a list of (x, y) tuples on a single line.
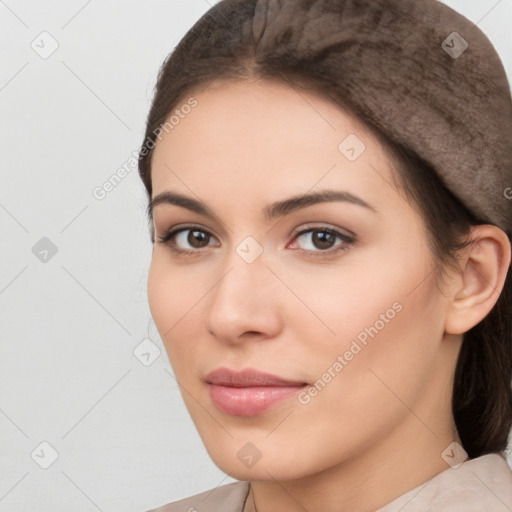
[(484, 483)]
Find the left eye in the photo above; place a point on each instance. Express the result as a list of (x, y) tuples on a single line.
[(321, 239)]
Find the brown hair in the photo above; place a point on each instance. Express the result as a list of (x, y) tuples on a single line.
[(221, 46)]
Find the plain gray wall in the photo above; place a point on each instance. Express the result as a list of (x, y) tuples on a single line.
[(71, 319)]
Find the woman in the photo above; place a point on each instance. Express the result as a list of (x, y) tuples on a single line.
[(331, 213)]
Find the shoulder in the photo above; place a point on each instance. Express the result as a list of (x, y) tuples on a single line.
[(227, 498), (484, 483)]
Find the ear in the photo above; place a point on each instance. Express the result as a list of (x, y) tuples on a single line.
[(478, 282)]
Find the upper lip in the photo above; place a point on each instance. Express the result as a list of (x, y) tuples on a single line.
[(247, 378)]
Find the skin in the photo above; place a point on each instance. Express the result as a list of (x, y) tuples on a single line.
[(378, 428)]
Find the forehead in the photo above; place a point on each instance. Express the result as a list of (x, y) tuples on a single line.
[(247, 138)]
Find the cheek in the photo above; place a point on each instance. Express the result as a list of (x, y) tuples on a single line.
[(175, 295), (172, 291), (388, 347), (160, 296), (383, 315), (168, 300), (364, 374)]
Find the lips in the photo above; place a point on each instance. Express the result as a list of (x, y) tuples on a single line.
[(248, 392)]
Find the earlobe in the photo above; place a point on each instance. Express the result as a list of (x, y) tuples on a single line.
[(478, 283)]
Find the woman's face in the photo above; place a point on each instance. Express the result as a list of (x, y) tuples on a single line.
[(334, 298)]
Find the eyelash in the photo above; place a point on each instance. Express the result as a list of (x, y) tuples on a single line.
[(168, 239)]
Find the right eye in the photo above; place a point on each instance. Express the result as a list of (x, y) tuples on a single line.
[(186, 240)]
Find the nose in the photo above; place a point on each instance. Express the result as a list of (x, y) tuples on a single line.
[(244, 303)]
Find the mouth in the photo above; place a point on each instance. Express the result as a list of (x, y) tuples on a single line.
[(249, 392)]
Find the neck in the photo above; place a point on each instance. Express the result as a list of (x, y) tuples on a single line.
[(374, 477), (363, 485)]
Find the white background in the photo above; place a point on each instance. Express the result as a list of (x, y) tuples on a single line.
[(69, 325)]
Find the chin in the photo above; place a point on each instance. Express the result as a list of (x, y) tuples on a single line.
[(277, 465)]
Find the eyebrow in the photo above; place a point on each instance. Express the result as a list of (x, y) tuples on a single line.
[(272, 211)]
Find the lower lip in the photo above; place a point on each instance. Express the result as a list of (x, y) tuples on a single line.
[(250, 401)]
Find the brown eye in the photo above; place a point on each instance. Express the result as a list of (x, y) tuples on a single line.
[(322, 241), (197, 239), (186, 240)]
